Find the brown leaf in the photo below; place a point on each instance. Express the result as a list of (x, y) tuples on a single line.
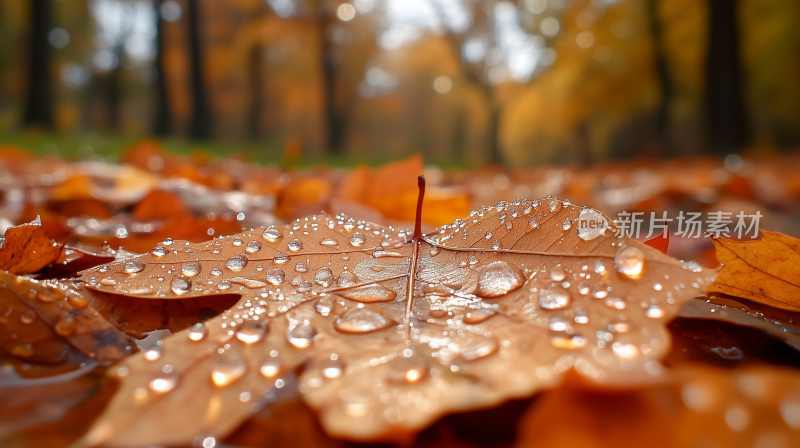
[(159, 205), (503, 303), (660, 243), (764, 270), (26, 249)]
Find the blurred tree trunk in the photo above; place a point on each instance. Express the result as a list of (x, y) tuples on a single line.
[(161, 117), (39, 102), (200, 122), (333, 119), (113, 91), (665, 84), (256, 108), (725, 110)]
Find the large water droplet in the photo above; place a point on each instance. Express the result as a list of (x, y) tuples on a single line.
[(168, 242), (498, 278), (301, 335), (153, 353), (163, 382), (435, 251), (216, 271), (324, 305), (159, 251), (270, 367), (272, 234), (357, 239), (478, 316), (567, 341), (133, 266), (566, 224), (301, 267), (557, 274), (331, 368), (27, 317), (251, 331), (330, 242), (591, 224), (692, 266), (324, 277), (65, 326), (180, 285), (347, 278), (626, 351), (236, 263), (227, 368), (559, 324), (197, 332), (406, 370), (295, 245), (554, 298), (629, 261), (252, 247), (276, 276), (370, 293), (237, 241), (479, 348), (654, 312), (280, 258), (362, 320), (223, 285), (190, 269)]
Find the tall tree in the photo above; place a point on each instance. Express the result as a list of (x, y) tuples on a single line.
[(256, 91), (334, 123), (162, 116), (39, 102), (726, 120), (200, 124), (664, 80)]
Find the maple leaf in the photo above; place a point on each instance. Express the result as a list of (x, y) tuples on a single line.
[(763, 270), (660, 242), (26, 249), (56, 309), (499, 305)]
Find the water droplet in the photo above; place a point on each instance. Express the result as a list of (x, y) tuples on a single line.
[(435, 251), (692, 266), (478, 316), (223, 285), (168, 242), (480, 348), (534, 223), (406, 370), (159, 251), (625, 351), (302, 285), (236, 263), (362, 320), (324, 305), (654, 312), (216, 271), (567, 341), (163, 382), (324, 277), (554, 298), (330, 242), (190, 269), (616, 303), (276, 276), (567, 224), (133, 266), (629, 261), (301, 267), (77, 301), (180, 285), (553, 205), (272, 234), (370, 293), (498, 278), (558, 274), (108, 282), (197, 332), (473, 260), (153, 353), (346, 278), (509, 225), (237, 241), (226, 368), (295, 245), (591, 224), (252, 247), (270, 367), (280, 258), (301, 335), (251, 331), (357, 239), (331, 368), (559, 324), (65, 326), (27, 317)]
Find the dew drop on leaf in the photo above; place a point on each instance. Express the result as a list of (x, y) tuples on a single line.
[(276, 276), (159, 251), (280, 258), (654, 312), (226, 368), (330, 242), (534, 223), (216, 271), (223, 285), (65, 326), (237, 241), (301, 335), (301, 267), (629, 260), (153, 353), (236, 263), (567, 224), (331, 368), (626, 351), (190, 269), (346, 278), (554, 298), (133, 266), (406, 370), (361, 320), (324, 305), (559, 324), (295, 245), (27, 317), (324, 277), (108, 282), (49, 295), (479, 348), (270, 367), (357, 239), (370, 293), (692, 266), (477, 316), (557, 274), (197, 332), (251, 331), (180, 285), (591, 224), (272, 234), (163, 382), (567, 341), (252, 247), (435, 250), (498, 279), (168, 242), (509, 225)]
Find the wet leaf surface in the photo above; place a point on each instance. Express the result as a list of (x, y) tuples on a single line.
[(26, 249)]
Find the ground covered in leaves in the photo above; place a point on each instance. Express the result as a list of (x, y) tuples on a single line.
[(185, 301)]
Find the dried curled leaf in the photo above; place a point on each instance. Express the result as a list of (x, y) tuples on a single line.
[(500, 305), (764, 270), (660, 242), (26, 249)]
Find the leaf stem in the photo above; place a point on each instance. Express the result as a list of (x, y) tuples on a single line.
[(412, 267)]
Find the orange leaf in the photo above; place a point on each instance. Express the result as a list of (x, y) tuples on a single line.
[(660, 242), (159, 205), (766, 270), (27, 249)]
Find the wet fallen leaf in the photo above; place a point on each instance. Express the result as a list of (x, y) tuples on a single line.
[(158, 205), (501, 304), (26, 249), (764, 270), (660, 242)]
